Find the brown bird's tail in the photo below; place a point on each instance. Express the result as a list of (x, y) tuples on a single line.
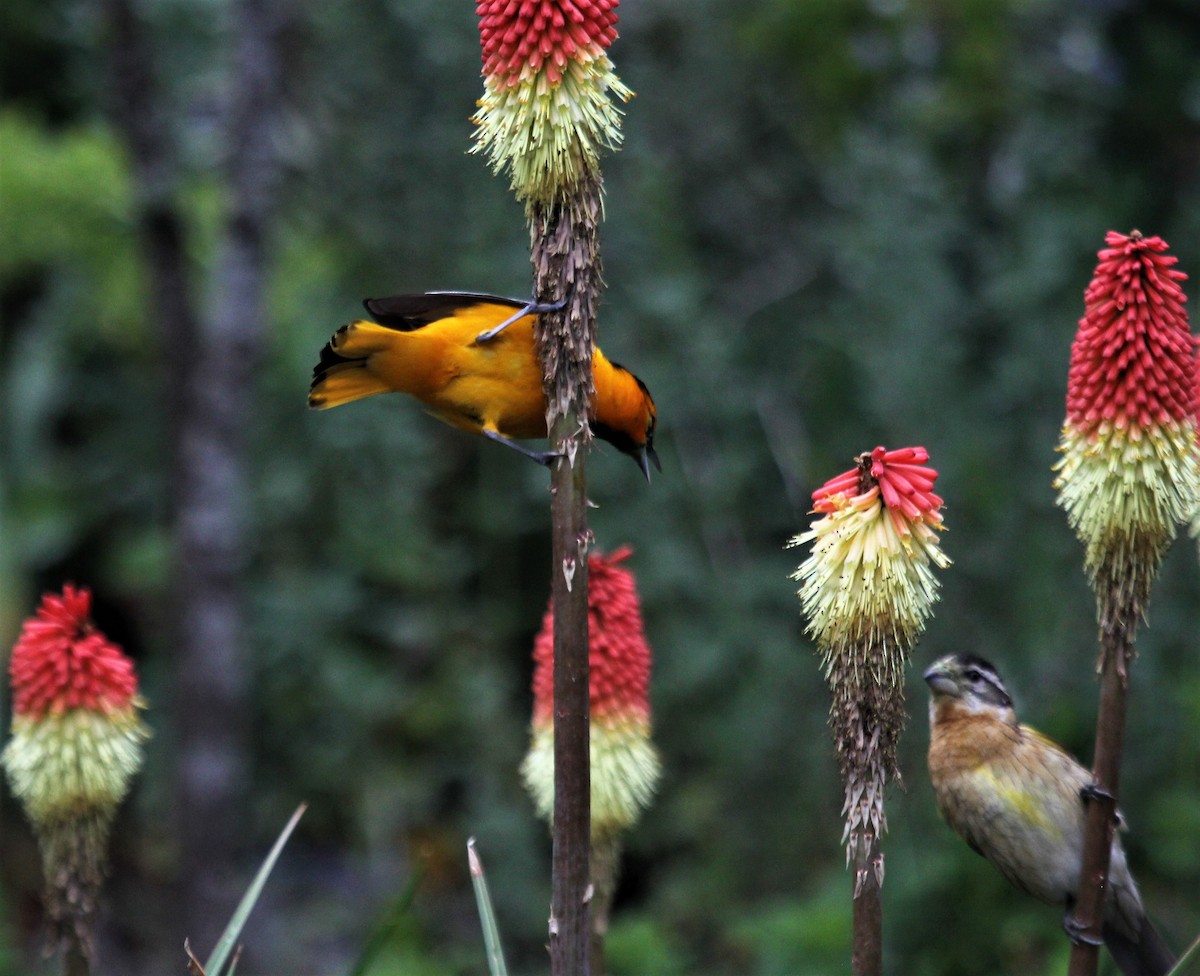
[(342, 374), (1147, 955)]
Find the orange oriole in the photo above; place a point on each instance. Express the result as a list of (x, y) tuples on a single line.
[(470, 359)]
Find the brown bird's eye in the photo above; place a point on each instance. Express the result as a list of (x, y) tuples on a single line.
[(973, 675)]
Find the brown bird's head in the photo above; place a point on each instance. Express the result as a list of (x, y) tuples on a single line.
[(966, 682)]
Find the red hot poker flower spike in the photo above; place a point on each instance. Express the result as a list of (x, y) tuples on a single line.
[(1130, 471), (625, 765), (61, 662), (76, 744), (1132, 362)]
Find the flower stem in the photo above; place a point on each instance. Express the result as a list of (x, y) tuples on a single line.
[(572, 763), (867, 953), (566, 265), (75, 960), (1119, 622), (606, 861)]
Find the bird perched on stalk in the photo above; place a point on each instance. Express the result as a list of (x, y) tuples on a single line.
[(1019, 800), (471, 360)]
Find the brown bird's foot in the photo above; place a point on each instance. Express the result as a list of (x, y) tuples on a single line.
[(532, 308), (1077, 932), (542, 457), (1093, 791)]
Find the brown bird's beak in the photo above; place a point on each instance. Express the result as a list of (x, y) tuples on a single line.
[(644, 455), (939, 682)]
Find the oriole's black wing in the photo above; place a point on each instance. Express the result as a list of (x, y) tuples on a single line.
[(406, 313)]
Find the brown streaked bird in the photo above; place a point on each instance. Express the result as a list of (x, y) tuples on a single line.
[(470, 359), (1019, 800)]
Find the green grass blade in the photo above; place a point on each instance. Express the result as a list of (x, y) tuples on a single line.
[(391, 922), (225, 944), (1186, 958), (491, 934)]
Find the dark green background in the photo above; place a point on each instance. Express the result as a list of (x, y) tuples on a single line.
[(833, 224)]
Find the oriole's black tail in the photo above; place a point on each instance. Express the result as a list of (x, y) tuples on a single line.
[(341, 375)]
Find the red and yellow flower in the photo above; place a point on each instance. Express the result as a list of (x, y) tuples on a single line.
[(625, 767), (867, 589), (870, 572), (547, 111), (1130, 471), (76, 744)]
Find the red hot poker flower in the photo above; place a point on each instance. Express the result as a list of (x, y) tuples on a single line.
[(624, 763), (1132, 361), (547, 108), (76, 744), (528, 35), (61, 662), (618, 655), (1130, 471)]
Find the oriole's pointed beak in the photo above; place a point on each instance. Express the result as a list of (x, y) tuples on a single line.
[(642, 456)]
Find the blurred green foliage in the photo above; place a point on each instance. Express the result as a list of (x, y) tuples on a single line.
[(833, 224)]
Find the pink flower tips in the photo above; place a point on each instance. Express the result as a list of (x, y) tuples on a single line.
[(1130, 471), (870, 569), (1132, 362), (60, 662), (537, 34), (546, 111)]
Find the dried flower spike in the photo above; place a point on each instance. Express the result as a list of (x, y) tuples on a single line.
[(867, 589), (624, 763), (546, 112), (75, 746), (1130, 471)]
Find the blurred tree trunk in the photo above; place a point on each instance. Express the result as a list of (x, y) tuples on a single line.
[(212, 359)]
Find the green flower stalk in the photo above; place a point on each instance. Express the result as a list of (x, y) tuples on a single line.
[(1130, 470), (867, 589), (546, 115), (76, 744)]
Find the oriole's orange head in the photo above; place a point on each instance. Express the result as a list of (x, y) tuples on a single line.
[(624, 412)]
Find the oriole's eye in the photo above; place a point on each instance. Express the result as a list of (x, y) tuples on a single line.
[(973, 674)]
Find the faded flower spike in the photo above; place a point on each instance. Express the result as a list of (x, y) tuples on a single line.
[(75, 746), (870, 573), (624, 763), (546, 112), (1130, 471), (867, 589)]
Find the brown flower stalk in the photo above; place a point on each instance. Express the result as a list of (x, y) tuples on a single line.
[(1129, 476), (545, 115), (867, 589)]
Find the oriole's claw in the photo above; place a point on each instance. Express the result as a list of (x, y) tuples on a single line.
[(531, 308), (542, 457)]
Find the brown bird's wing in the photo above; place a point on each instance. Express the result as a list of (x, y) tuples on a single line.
[(406, 313)]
